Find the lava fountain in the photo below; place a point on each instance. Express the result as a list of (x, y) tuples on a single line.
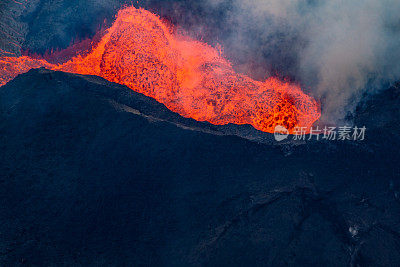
[(188, 76)]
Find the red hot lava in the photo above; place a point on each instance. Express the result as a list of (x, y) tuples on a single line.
[(188, 76)]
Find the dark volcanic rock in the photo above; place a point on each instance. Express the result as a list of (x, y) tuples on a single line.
[(40, 26), (93, 173), (12, 29)]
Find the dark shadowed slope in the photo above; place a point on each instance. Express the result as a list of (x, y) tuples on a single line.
[(93, 173)]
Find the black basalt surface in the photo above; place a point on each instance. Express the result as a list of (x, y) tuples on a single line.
[(94, 174)]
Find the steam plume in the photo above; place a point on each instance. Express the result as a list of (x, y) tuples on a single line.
[(338, 49)]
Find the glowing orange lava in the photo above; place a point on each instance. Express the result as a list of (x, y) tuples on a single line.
[(188, 76)]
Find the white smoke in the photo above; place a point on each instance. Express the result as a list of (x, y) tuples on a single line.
[(341, 49)]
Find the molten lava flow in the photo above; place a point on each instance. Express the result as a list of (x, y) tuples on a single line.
[(188, 76)]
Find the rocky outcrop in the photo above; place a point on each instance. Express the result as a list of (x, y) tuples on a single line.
[(12, 29), (93, 173)]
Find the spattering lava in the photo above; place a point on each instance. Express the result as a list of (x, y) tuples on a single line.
[(188, 76)]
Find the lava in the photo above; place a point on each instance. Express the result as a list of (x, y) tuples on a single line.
[(188, 76)]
